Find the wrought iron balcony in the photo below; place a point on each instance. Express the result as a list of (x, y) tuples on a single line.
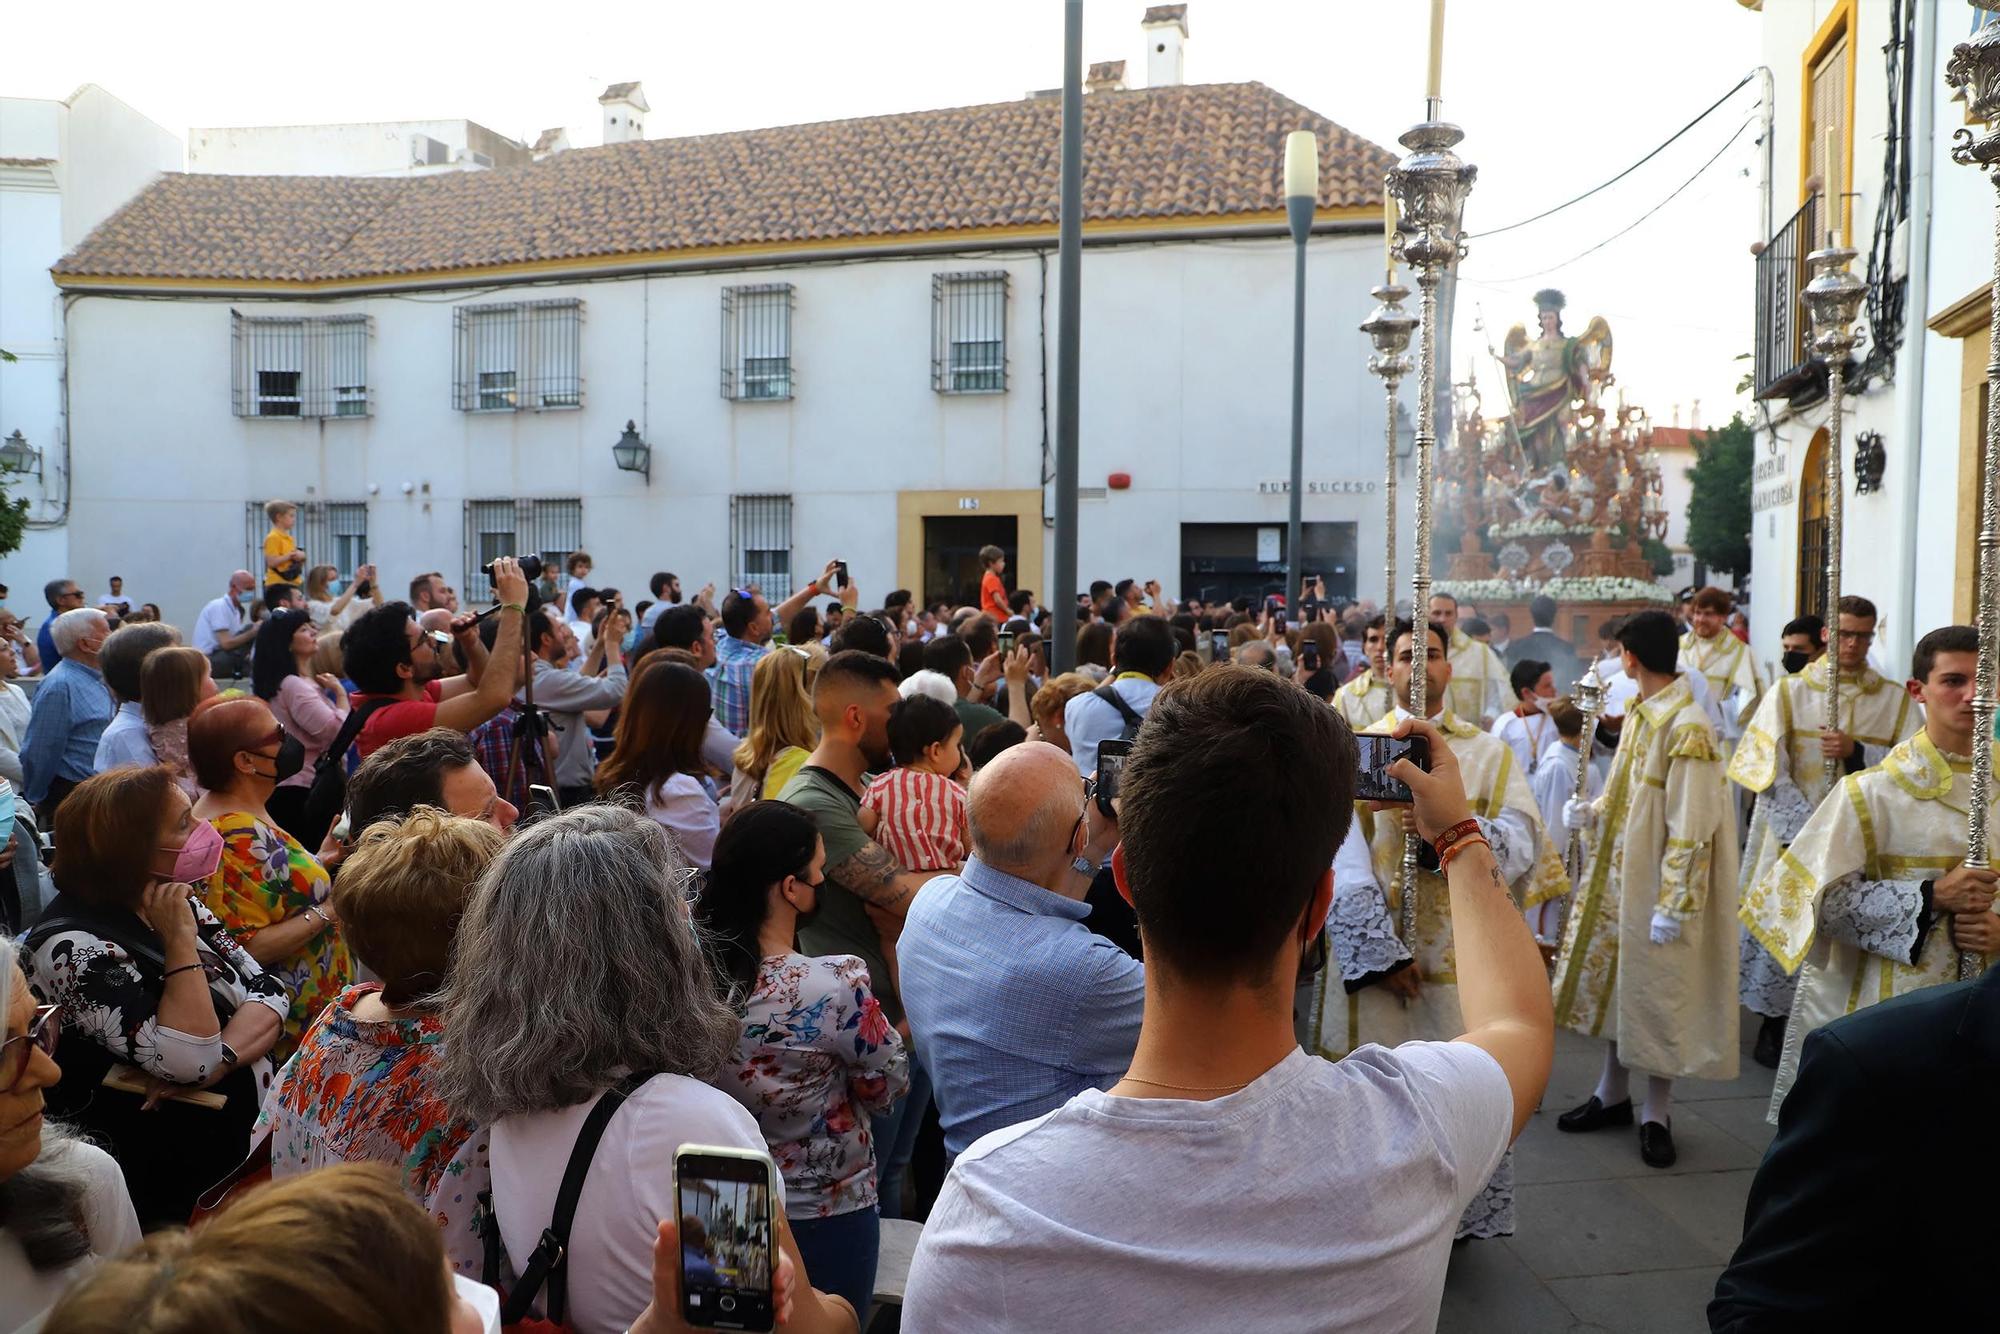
[(1785, 365)]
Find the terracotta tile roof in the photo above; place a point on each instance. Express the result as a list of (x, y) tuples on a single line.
[(621, 91), (1107, 71), (1166, 14), (1197, 152)]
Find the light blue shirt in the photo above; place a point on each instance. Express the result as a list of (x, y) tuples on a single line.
[(1015, 1005), (71, 711), (125, 740), (1089, 720)]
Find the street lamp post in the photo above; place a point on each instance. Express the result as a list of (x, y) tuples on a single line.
[(1069, 325), (1301, 197)]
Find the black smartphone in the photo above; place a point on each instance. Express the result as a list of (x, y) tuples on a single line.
[(541, 801), (1218, 643), (366, 588), (1308, 656), (1110, 769), (840, 574), (1278, 620), (1377, 754), (728, 1248)]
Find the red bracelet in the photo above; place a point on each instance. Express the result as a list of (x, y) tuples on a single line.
[(1445, 855), (1464, 829)]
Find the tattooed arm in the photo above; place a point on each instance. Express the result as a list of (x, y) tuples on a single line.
[(873, 875)]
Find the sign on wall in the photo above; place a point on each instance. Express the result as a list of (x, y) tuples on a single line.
[(1771, 482)]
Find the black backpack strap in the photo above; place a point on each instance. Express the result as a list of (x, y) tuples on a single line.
[(1125, 711), (336, 754), (548, 1264)]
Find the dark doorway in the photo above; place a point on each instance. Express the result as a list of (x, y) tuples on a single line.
[(951, 555), (1220, 561)]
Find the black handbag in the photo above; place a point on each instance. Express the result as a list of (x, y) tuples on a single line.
[(327, 796)]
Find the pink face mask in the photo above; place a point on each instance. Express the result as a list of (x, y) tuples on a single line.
[(199, 856)]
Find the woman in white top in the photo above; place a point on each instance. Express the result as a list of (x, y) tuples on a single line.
[(656, 759), (335, 612), (14, 710), (574, 965), (62, 1201), (309, 707)]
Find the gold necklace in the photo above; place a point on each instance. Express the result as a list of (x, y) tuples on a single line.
[(1189, 1088)]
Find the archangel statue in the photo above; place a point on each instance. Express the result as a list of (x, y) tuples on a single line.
[(1549, 377)]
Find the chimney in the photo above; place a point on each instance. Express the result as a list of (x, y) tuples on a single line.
[(624, 113), (1677, 416), (1694, 416), (1166, 32), (552, 141), (1106, 76)]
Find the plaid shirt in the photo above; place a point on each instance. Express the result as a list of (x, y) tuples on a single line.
[(493, 742), (729, 679)]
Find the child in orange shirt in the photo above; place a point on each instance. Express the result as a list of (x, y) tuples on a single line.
[(992, 592)]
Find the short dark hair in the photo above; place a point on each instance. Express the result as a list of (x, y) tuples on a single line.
[(1944, 639), (658, 583), (404, 774), (947, 655), (864, 633), (1144, 644), (1020, 600), (1542, 611), (1809, 625), (679, 626), (981, 637), (909, 658), (422, 582), (990, 553), (375, 645), (898, 597), (803, 625), (125, 650), (853, 667), (1525, 674), (1853, 604), (992, 739), (52, 591), (1099, 587), (1654, 638), (583, 593), (1713, 599), (1475, 626), (1232, 758), (917, 722), (1405, 628), (1440, 593), (737, 612)]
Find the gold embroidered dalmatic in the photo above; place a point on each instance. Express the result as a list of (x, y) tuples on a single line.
[(1726, 663), (1666, 844), (1478, 686), (1364, 699)]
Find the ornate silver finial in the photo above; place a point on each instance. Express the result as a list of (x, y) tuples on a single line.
[(1389, 328)]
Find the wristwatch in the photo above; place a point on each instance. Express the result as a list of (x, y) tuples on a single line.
[(229, 1057)]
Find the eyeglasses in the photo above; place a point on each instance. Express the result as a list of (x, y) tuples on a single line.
[(15, 1052), (438, 638)]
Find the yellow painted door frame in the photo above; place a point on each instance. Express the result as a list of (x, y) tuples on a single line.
[(913, 507)]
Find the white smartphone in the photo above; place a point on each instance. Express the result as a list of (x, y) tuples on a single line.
[(729, 1247)]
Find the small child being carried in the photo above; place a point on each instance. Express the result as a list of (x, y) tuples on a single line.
[(917, 810)]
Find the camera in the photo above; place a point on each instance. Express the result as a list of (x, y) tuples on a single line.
[(531, 567)]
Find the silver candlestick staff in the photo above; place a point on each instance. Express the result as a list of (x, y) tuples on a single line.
[(1975, 68), (1389, 327), (1430, 186), (1832, 299), (1590, 694)]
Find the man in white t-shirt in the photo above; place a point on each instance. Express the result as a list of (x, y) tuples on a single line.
[(1229, 1180)]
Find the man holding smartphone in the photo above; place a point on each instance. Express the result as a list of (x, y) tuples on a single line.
[(1150, 1203)]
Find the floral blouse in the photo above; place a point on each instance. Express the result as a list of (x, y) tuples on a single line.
[(106, 1000), (265, 877), (815, 1060), (363, 1090)]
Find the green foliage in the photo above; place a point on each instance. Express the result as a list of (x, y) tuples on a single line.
[(13, 521), (1659, 553), (1719, 506)]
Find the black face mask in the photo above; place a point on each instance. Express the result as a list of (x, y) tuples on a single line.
[(1794, 661), (291, 758)]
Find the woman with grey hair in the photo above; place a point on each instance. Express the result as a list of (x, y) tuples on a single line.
[(577, 974), (62, 1201)]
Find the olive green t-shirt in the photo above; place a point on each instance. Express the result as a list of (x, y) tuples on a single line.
[(840, 924)]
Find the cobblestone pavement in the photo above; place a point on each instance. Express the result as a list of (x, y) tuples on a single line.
[(1604, 1242)]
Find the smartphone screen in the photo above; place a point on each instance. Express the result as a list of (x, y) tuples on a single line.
[(1309, 656), (1110, 769), (727, 1244), (541, 801), (840, 574), (1218, 641), (1377, 754), (1006, 642)]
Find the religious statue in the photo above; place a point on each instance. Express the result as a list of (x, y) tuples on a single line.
[(1549, 375)]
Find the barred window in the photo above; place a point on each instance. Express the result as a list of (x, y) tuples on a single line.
[(330, 532), (550, 529), (306, 367), (757, 342), (760, 545), (969, 332), (514, 356)]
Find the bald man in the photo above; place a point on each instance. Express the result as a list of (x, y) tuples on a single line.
[(1014, 1003)]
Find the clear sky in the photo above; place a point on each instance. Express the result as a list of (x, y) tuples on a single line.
[(1555, 97)]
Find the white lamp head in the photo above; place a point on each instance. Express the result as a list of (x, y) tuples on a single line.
[(1302, 165)]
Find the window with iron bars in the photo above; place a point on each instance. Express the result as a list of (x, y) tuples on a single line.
[(757, 342), (969, 332), (517, 356), (550, 529), (306, 367), (330, 532), (760, 545)]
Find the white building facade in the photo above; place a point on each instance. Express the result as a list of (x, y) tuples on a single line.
[(886, 399), (1924, 227), (65, 166)]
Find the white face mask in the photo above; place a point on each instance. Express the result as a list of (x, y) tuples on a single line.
[(481, 1299)]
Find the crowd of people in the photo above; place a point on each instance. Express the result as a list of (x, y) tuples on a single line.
[(402, 947)]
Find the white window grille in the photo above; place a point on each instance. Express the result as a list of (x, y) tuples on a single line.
[(304, 367), (550, 529), (969, 332), (514, 356), (760, 545), (757, 342)]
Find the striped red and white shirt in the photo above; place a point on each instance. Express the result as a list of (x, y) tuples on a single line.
[(923, 818)]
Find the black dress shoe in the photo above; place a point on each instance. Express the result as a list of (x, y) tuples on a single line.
[(1594, 1115), (1656, 1144), (1770, 1043)]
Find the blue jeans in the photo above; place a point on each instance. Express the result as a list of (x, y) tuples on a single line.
[(896, 1138), (840, 1255)]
